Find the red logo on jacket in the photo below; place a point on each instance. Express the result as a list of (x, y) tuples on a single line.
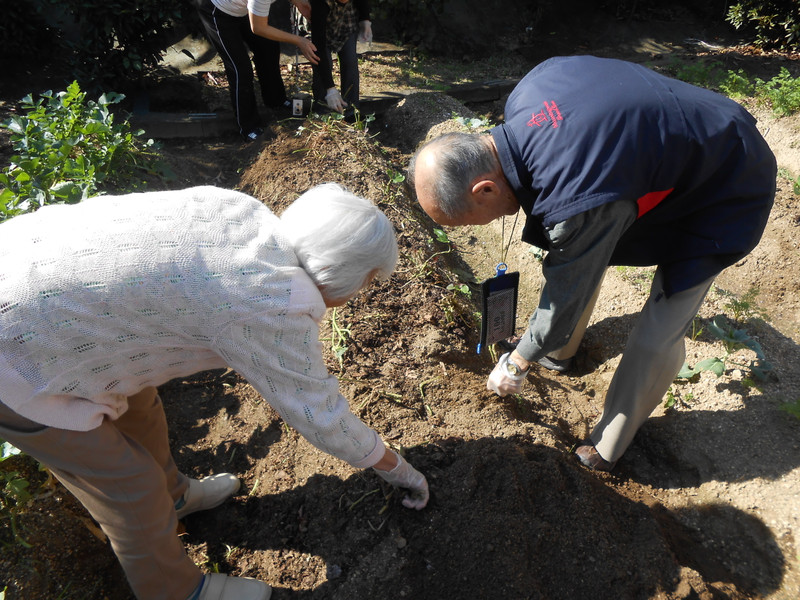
[(549, 113)]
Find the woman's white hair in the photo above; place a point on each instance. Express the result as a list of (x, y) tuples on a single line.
[(340, 239)]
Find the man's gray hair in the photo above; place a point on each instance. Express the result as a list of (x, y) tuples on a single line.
[(340, 239), (460, 158)]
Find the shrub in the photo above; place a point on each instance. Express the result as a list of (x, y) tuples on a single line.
[(66, 148), (776, 22), (23, 27), (118, 40), (782, 92)]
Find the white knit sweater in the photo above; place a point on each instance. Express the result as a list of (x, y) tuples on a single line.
[(101, 299)]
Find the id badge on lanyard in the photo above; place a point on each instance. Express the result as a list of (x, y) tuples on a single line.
[(498, 306)]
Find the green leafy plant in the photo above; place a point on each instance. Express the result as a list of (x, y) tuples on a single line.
[(736, 84), (733, 340), (698, 73), (782, 93), (697, 329), (393, 187), (745, 306), (456, 305), (674, 399), (14, 493), (67, 148), (339, 336), (775, 22), (472, 124)]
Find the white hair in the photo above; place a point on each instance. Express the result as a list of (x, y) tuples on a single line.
[(340, 239)]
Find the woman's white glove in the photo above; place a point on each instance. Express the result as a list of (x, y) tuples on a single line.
[(502, 382), (406, 476), (334, 100), (365, 31)]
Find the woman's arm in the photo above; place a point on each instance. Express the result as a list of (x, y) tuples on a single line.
[(261, 26)]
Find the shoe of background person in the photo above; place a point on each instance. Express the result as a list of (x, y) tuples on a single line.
[(217, 586), (253, 135), (282, 111), (207, 493), (559, 366), (590, 457)]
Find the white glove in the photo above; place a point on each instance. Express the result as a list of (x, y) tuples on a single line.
[(365, 31), (334, 100), (406, 476), (503, 383)]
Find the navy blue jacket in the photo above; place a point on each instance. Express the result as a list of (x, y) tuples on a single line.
[(583, 131)]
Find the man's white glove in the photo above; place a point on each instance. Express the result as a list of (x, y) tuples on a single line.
[(365, 31), (502, 382), (334, 100), (406, 476)]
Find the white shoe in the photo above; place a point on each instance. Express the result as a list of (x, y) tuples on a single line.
[(208, 492), (217, 586)]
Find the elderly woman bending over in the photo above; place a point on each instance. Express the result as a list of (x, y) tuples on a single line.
[(102, 301)]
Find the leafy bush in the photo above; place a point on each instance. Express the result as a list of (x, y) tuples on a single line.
[(736, 84), (117, 40), (14, 493), (22, 27), (733, 340), (776, 22), (782, 92), (66, 148)]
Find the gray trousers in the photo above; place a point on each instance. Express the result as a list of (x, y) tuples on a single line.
[(653, 356), (125, 476)]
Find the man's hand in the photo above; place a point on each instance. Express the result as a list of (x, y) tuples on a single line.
[(365, 31), (334, 100), (502, 382), (406, 476)]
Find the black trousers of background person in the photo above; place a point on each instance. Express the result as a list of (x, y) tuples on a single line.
[(233, 39)]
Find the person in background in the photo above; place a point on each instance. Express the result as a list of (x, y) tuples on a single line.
[(237, 27), (336, 26), (611, 164), (105, 300)]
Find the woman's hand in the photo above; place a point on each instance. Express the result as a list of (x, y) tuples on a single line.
[(403, 475), (308, 49)]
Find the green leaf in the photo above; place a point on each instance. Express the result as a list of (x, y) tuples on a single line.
[(715, 365), (7, 450), (686, 372)]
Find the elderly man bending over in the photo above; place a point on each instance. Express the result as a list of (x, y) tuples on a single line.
[(103, 301), (611, 164)]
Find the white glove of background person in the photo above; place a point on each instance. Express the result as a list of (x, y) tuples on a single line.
[(406, 476), (365, 31), (503, 383), (334, 100)]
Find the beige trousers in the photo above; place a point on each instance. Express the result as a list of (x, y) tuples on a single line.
[(124, 474), (653, 356)]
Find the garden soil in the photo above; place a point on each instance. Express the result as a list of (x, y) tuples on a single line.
[(705, 503)]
